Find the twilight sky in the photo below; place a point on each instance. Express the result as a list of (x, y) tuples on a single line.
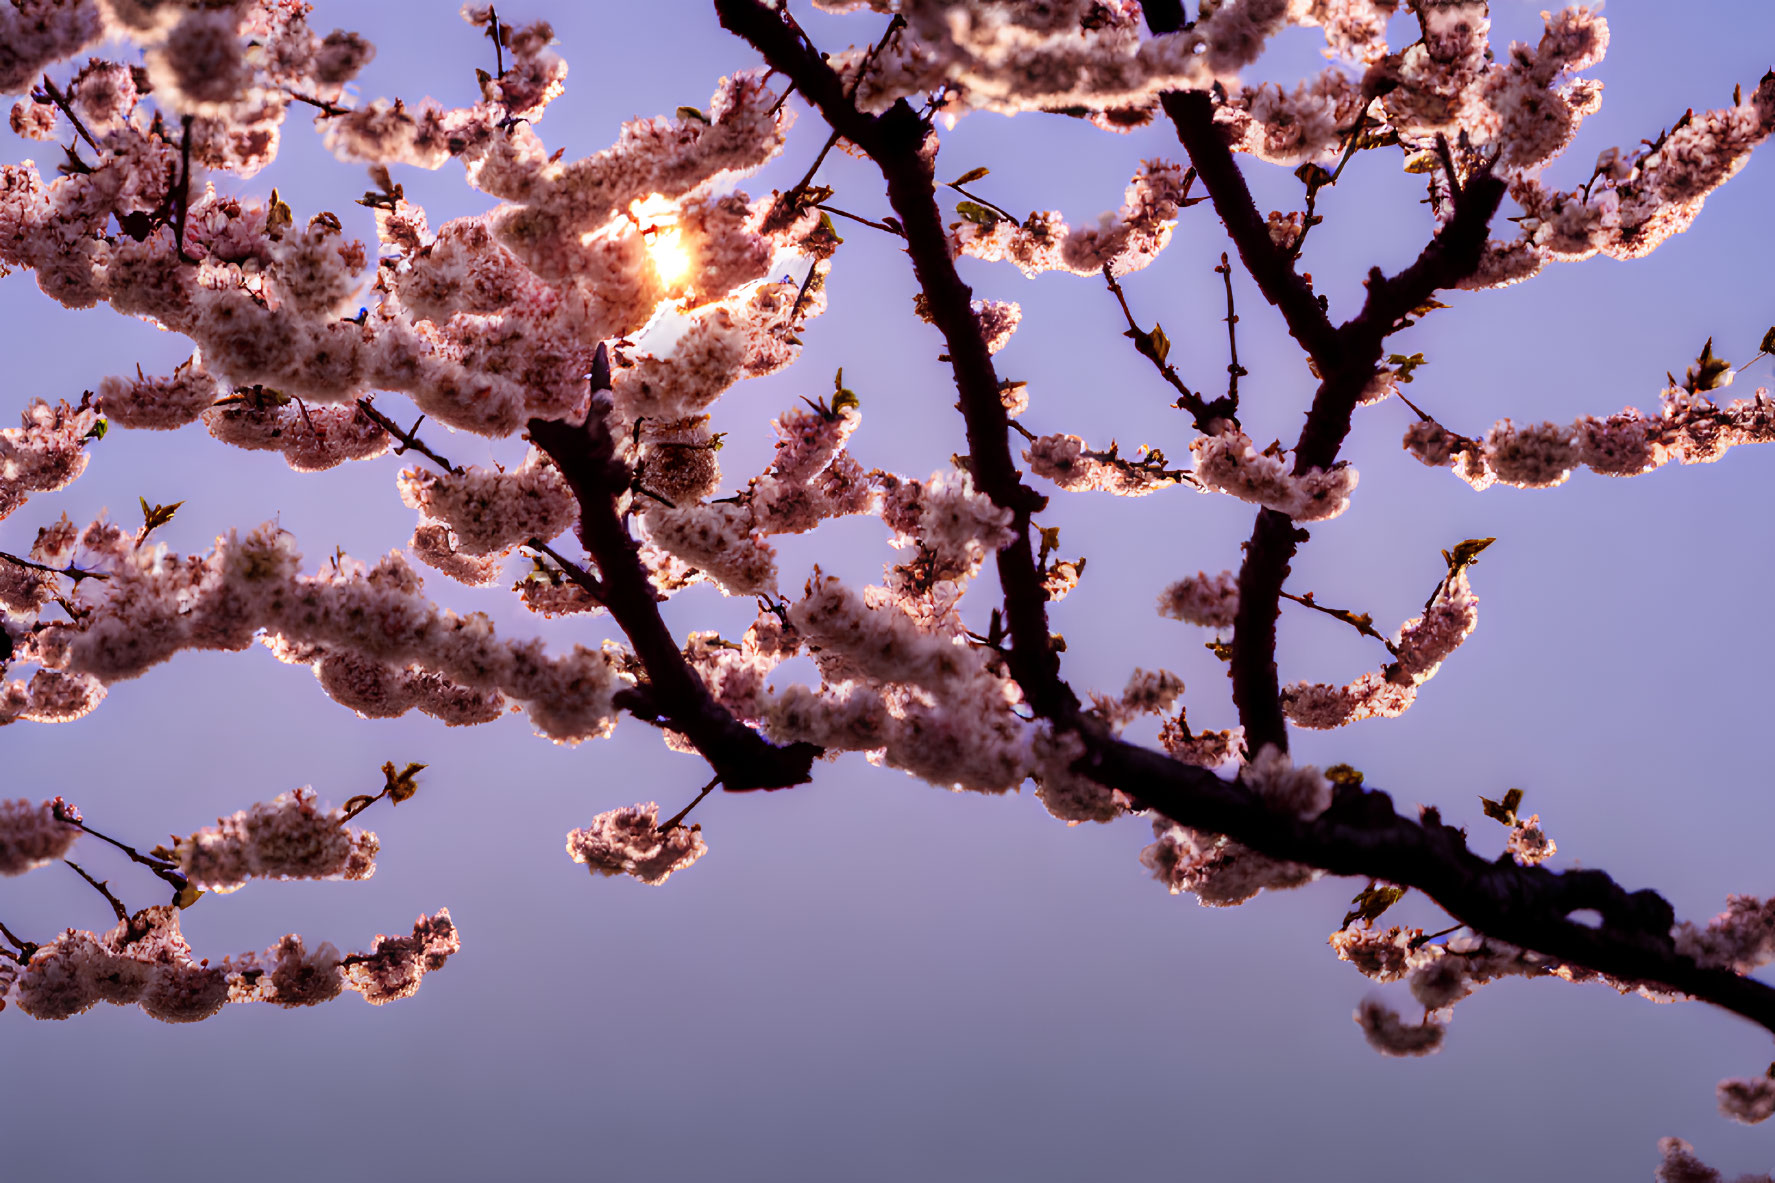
[(872, 979)]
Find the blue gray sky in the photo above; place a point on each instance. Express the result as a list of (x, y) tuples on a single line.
[(870, 978)]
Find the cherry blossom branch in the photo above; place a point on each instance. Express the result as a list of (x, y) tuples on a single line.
[(1362, 835), (586, 455), (1345, 357), (896, 142), (1271, 267)]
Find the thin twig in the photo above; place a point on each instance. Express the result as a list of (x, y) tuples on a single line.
[(72, 572), (329, 109), (858, 218), (1006, 214), (1361, 622), (26, 949), (800, 296), (166, 871), (410, 441), (578, 574), (1348, 151), (672, 822), (1234, 371), (498, 49), (61, 100), (1203, 412), (103, 889)]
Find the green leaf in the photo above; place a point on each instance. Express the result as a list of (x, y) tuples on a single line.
[(1404, 366), (1161, 343), (1313, 176), (1343, 774), (976, 213), (156, 516), (97, 430), (188, 895), (841, 396), (1219, 648), (969, 177), (401, 785), (1155, 345), (1503, 811), (1422, 162), (694, 113), (1768, 343), (278, 217), (1466, 553), (1708, 372), (1371, 902)]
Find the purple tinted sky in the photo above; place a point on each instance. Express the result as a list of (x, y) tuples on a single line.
[(869, 978)]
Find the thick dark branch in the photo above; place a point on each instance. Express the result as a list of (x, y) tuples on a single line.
[(586, 456), (1256, 686), (1192, 113), (1448, 258), (1362, 835), (898, 143)]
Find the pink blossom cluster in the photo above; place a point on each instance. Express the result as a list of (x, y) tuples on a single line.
[(1211, 601), (146, 961), (1678, 1164), (394, 966), (1690, 429), (629, 841), (47, 451), (31, 835), (287, 837), (1070, 463), (489, 512), (1078, 54), (1230, 463), (1634, 200), (1216, 870), (374, 640), (1742, 938), (1126, 240), (1419, 648), (1386, 955)]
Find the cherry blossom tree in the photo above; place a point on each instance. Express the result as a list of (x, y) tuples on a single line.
[(602, 306)]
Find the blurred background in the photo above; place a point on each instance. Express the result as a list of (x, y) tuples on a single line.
[(872, 979)]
